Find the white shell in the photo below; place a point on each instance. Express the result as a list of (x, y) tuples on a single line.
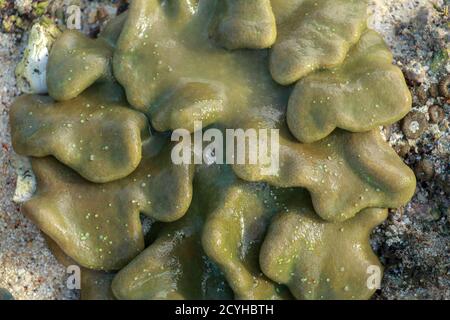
[(31, 71)]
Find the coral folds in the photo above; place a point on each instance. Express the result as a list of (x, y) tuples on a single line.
[(101, 150)]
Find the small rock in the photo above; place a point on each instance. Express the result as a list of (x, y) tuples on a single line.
[(422, 95), (434, 90), (102, 14), (5, 294), (92, 17), (435, 214), (416, 74), (414, 124), (444, 87), (122, 7), (403, 149), (425, 170), (31, 71), (436, 114), (387, 130), (23, 6), (444, 182)]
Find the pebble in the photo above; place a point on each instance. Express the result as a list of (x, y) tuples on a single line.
[(422, 94), (434, 90), (444, 87), (424, 170), (403, 150), (5, 294), (436, 114), (414, 125)]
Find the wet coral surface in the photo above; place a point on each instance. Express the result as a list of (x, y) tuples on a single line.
[(385, 182)]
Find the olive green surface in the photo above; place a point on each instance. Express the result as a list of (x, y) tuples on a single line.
[(235, 227), (95, 134), (159, 48), (244, 24), (313, 35), (75, 63), (188, 102), (363, 93), (175, 63), (345, 172), (112, 30), (94, 285), (98, 225), (318, 259), (174, 266)]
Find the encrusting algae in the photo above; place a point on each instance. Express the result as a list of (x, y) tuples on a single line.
[(101, 150)]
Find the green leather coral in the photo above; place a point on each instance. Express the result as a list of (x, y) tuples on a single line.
[(222, 231), (95, 134), (345, 172), (94, 285), (317, 259), (363, 93), (245, 24), (313, 35), (75, 63), (236, 223), (98, 225), (174, 266)]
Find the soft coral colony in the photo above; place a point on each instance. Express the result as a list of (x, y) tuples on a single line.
[(310, 68)]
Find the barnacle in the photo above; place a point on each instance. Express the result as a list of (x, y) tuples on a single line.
[(102, 155)]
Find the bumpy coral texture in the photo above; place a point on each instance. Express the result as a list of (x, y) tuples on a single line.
[(100, 148)]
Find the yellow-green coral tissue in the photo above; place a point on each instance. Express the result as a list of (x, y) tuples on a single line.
[(100, 146)]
